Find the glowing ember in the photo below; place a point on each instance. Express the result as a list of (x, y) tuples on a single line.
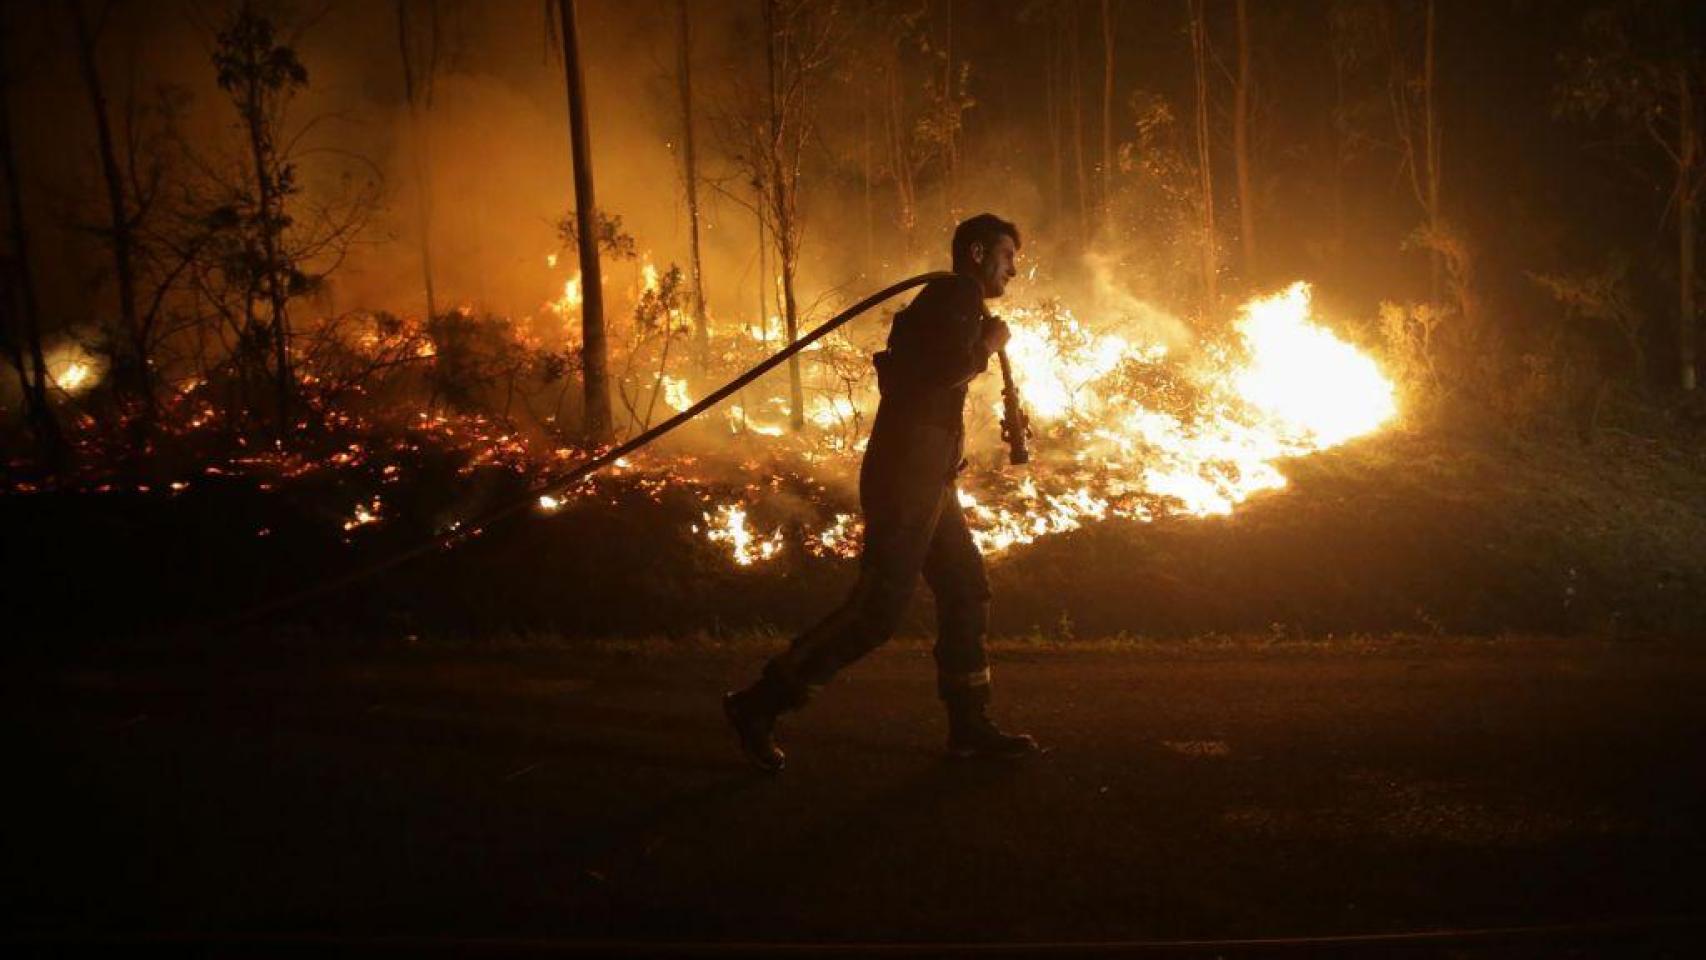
[(840, 539), (365, 514)]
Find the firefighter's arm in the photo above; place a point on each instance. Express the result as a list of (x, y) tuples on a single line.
[(963, 343)]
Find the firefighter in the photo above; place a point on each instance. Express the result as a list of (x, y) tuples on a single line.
[(913, 520)]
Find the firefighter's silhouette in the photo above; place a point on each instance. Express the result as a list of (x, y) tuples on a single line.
[(914, 523)]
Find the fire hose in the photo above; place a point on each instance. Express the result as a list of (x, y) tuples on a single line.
[(1015, 429)]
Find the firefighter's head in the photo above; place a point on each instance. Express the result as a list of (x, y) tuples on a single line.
[(984, 249)]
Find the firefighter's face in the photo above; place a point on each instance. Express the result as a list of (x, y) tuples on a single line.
[(994, 265)]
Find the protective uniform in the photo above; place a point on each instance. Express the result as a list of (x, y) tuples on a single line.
[(913, 519)]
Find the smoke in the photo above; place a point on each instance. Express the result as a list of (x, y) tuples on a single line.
[(1110, 298), (493, 145)]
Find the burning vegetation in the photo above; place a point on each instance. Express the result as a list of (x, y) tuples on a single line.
[(276, 286)]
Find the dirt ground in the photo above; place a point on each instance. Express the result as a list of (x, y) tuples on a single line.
[(560, 797)]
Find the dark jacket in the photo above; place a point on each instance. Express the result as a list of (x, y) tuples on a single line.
[(935, 348)]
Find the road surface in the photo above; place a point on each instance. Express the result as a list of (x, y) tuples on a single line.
[(551, 796)]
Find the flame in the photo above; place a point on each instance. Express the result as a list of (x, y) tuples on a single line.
[(729, 527), (831, 413), (570, 302), (675, 393), (1058, 365), (1316, 385), (740, 420), (998, 528), (72, 369), (840, 539), (1148, 434), (74, 375)]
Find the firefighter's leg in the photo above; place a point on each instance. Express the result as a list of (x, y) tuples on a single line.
[(954, 569), (898, 534), (901, 496)]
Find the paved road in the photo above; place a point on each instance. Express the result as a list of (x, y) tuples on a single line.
[(1189, 794)]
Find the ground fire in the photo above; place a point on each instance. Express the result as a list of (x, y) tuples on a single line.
[(1284, 387)]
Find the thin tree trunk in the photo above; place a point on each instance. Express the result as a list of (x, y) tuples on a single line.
[(899, 159), (1051, 99), (1199, 56), (1241, 146), (131, 371), (663, 371), (870, 200), (270, 218), (594, 351), (1431, 147), (32, 373), (951, 106), (763, 274), (1338, 134), (782, 207), (1077, 99), (1688, 158), (796, 388), (421, 153), (701, 328), (1107, 114)]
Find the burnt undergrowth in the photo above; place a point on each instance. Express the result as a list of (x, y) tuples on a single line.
[(1420, 531)]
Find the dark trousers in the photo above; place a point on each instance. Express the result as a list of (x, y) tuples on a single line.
[(913, 524)]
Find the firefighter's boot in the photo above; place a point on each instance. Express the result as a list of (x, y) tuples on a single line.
[(752, 713), (972, 735)]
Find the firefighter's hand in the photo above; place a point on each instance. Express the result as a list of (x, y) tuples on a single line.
[(995, 333)]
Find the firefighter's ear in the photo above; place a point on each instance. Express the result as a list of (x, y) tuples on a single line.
[(977, 251)]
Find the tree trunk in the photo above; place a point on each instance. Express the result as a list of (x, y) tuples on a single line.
[(1051, 100), (1431, 147), (1241, 146), (1339, 135), (1076, 95), (690, 174), (951, 110), (1688, 158), (421, 155), (900, 161), (1107, 115), (763, 274), (32, 371), (271, 221), (782, 206), (130, 344), (1199, 57), (595, 353), (796, 388), (870, 201)]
